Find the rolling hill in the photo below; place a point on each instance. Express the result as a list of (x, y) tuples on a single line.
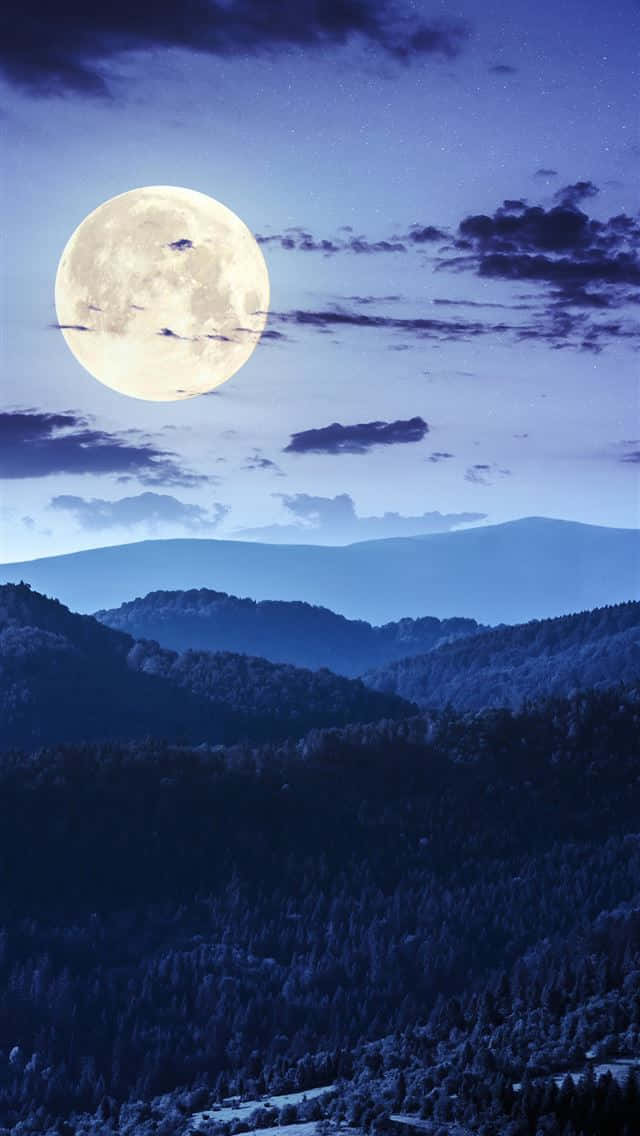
[(503, 666), (66, 677), (296, 633), (507, 573)]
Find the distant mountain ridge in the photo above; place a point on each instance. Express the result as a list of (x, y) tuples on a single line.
[(503, 666), (297, 633), (506, 573), (66, 677)]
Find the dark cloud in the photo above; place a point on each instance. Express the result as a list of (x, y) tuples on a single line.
[(439, 302), (516, 227), (297, 239), (632, 454), (52, 49), (70, 326), (551, 324), (181, 245), (37, 443), (584, 267), (558, 245), (554, 330), (149, 509), (361, 245), (439, 455), (573, 195), (421, 326), (503, 69), (333, 520), (583, 262), (358, 438), (543, 172), (366, 300), (425, 234)]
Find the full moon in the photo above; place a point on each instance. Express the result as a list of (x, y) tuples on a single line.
[(162, 293)]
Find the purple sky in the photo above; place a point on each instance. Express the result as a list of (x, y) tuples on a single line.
[(448, 210)]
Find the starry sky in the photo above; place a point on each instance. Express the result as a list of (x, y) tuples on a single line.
[(446, 198)]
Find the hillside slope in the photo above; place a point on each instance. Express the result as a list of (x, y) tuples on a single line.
[(67, 677), (507, 573), (297, 633), (426, 912), (503, 666)]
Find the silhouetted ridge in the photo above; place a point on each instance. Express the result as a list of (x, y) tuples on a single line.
[(503, 666), (65, 677), (294, 632)]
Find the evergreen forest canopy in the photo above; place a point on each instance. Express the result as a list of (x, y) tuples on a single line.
[(505, 666), (436, 913)]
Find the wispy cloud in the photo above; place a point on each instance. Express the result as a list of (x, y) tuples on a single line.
[(424, 327), (581, 266), (485, 473), (258, 462), (297, 239)]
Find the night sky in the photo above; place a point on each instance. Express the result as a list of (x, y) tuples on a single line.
[(446, 197)]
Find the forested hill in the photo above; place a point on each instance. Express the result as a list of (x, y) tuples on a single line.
[(294, 632), (427, 912), (503, 666), (67, 677)]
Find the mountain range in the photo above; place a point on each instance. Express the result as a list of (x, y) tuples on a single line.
[(505, 666), (507, 573), (297, 633), (67, 677), (429, 662), (226, 877)]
